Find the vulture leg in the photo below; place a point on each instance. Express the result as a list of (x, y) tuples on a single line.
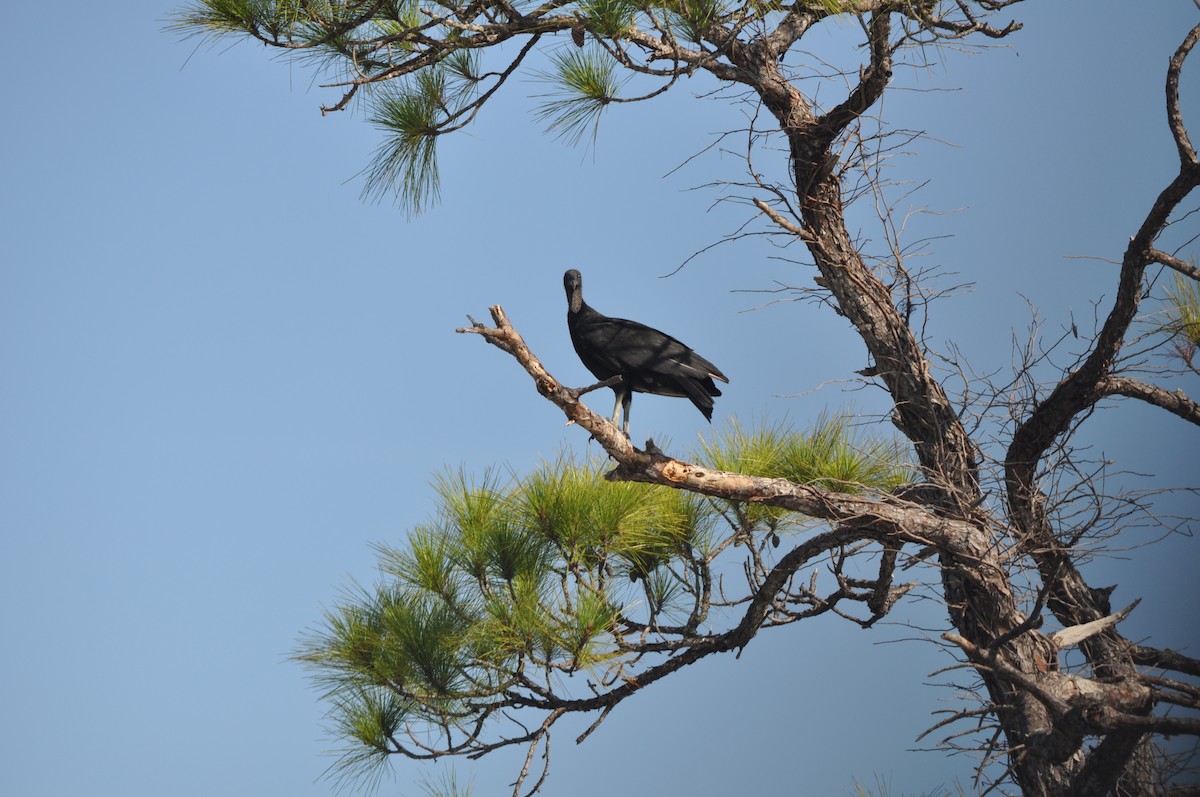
[(622, 401)]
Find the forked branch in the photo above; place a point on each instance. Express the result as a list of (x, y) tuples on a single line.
[(882, 515)]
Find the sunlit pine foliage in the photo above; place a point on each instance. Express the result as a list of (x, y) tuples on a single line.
[(517, 583), (1183, 316), (829, 455), (608, 18), (585, 82), (694, 17), (412, 114)]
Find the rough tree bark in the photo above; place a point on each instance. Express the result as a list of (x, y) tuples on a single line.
[(1046, 714), (1062, 731)]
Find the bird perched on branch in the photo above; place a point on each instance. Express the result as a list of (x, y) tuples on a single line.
[(648, 361)]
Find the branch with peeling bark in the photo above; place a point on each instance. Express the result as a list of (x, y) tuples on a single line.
[(1069, 637), (1036, 702), (885, 514)]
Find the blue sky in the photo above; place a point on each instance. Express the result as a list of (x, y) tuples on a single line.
[(224, 376)]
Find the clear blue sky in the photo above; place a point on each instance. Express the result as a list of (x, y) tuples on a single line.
[(223, 376)]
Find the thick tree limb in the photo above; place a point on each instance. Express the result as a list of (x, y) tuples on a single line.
[(1165, 659), (1176, 402), (884, 515), (1063, 692), (1170, 261), (1183, 144)]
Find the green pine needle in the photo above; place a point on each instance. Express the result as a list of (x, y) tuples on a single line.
[(425, 565), (588, 519), (219, 16), (586, 82), (405, 163), (397, 19), (412, 116), (464, 64), (663, 592), (694, 17), (610, 18), (1183, 309), (445, 786), (829, 455), (537, 574), (586, 628), (515, 623), (275, 18)]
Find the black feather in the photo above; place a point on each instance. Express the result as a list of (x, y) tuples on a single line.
[(648, 361)]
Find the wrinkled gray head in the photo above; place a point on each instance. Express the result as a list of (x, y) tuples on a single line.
[(573, 282)]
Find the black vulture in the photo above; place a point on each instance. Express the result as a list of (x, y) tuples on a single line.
[(648, 361)]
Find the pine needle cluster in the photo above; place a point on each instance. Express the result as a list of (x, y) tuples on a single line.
[(415, 66), (1183, 315), (517, 583), (584, 82)]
